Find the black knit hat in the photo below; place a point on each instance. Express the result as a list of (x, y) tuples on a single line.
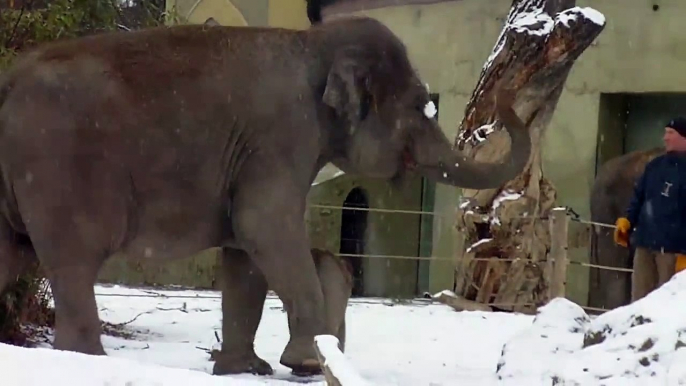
[(679, 125)]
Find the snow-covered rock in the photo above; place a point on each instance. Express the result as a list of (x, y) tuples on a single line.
[(556, 333), (640, 343)]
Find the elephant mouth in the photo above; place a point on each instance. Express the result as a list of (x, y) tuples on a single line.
[(408, 160)]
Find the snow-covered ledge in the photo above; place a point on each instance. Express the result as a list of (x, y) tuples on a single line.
[(328, 173)]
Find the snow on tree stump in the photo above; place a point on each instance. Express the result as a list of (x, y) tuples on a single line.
[(336, 368), (507, 237)]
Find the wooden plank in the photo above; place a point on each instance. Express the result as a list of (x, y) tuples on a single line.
[(459, 303), (336, 368), (559, 232)]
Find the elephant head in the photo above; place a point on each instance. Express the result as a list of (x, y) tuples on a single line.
[(383, 119)]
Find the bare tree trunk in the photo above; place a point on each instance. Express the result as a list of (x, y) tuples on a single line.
[(534, 53)]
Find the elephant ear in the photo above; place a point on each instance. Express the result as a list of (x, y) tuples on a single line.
[(348, 85)]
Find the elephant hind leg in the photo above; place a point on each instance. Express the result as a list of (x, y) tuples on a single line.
[(16, 254), (244, 290)]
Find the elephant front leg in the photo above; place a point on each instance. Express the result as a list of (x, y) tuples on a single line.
[(243, 293), (290, 272), (269, 224)]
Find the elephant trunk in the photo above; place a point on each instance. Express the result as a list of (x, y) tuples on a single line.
[(434, 158)]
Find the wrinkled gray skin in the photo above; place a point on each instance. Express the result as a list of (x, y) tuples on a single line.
[(141, 143), (336, 280), (336, 277), (610, 197)]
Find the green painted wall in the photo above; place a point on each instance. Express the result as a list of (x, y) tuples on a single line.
[(395, 234), (640, 50)]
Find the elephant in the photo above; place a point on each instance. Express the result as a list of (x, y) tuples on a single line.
[(610, 196), (336, 279), (162, 142)]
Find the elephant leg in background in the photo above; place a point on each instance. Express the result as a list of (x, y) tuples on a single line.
[(269, 224), (244, 290), (15, 257), (336, 279)]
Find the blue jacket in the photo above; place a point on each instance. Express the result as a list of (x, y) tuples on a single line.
[(657, 211)]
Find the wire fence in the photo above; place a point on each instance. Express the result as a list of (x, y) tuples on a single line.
[(572, 216)]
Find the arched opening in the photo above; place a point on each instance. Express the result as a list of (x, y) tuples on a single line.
[(353, 228)]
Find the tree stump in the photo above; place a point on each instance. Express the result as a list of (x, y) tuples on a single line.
[(532, 58)]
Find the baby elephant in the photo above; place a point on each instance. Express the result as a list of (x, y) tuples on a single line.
[(336, 278)]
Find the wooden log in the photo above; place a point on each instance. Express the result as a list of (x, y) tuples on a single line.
[(539, 43), (559, 230), (336, 368), (459, 303)]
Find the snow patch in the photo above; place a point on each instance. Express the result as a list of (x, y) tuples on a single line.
[(591, 14), (82, 369), (328, 172), (476, 244), (571, 14), (505, 195), (640, 343), (483, 131), (430, 110), (536, 22), (557, 331)]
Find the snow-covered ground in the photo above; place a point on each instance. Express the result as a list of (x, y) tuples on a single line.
[(388, 344)]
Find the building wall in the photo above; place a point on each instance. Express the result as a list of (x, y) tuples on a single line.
[(640, 50), (395, 234)]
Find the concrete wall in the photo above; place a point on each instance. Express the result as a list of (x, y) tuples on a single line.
[(640, 50), (395, 234)]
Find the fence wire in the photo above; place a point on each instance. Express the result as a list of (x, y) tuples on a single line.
[(573, 216)]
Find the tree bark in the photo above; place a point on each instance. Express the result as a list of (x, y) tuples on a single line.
[(534, 53)]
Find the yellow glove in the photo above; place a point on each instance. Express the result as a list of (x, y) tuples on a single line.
[(680, 263), (622, 231)]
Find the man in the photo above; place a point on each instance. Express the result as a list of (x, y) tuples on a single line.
[(657, 214)]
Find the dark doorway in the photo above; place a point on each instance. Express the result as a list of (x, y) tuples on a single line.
[(353, 229)]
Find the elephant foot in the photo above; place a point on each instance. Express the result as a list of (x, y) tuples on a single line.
[(231, 364), (301, 358), (307, 368), (80, 347)]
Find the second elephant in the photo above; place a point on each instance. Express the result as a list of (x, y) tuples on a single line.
[(610, 197)]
